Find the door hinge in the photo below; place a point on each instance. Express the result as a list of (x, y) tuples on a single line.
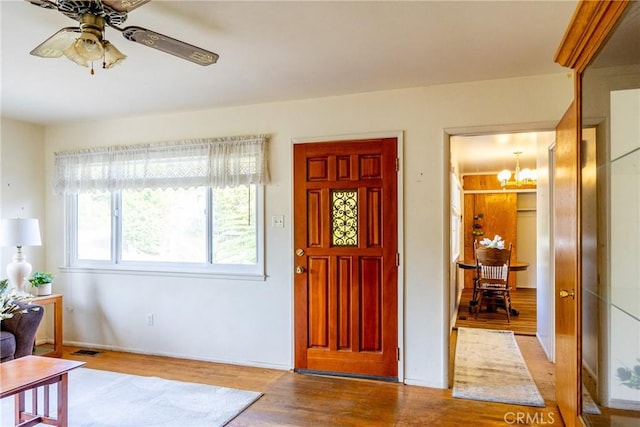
[(398, 352), (397, 164), (397, 259)]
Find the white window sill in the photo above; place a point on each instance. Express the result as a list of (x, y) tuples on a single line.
[(168, 272)]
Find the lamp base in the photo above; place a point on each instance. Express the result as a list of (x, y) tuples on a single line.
[(18, 271)]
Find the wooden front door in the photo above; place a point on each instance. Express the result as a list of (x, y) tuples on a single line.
[(345, 261), (567, 287)]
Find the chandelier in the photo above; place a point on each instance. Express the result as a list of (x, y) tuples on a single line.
[(91, 46), (520, 177)]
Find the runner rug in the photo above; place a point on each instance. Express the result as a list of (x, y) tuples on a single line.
[(102, 398), (490, 367)]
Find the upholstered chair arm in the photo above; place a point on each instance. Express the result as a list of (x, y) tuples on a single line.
[(24, 326)]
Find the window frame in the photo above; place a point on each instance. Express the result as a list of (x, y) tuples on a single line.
[(182, 269)]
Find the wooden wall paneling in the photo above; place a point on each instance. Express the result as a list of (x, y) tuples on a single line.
[(496, 213), (480, 182), (500, 211)]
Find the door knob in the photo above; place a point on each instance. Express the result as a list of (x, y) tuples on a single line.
[(299, 269), (564, 293)]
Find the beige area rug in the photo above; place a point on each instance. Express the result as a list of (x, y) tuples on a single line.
[(108, 399), (490, 367)]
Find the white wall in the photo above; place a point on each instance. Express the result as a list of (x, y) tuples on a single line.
[(22, 178), (545, 283), (22, 175), (249, 322), (526, 229), (456, 277)]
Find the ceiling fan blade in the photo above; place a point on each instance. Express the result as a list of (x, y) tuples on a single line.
[(124, 5), (43, 3), (170, 45), (54, 45)]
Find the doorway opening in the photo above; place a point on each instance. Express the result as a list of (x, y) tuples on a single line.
[(478, 158), (516, 208)]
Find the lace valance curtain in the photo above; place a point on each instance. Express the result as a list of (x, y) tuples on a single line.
[(214, 162)]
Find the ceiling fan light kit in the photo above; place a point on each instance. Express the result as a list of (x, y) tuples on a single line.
[(88, 47), (112, 56), (86, 43)]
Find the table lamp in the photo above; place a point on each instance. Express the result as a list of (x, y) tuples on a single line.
[(19, 232)]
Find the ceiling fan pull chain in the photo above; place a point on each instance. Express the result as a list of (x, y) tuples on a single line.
[(92, 72)]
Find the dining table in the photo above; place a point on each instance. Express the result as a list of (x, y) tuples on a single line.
[(513, 266)]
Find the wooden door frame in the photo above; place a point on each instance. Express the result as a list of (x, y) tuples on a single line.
[(399, 136)]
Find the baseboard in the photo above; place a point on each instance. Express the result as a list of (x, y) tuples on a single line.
[(419, 383), (453, 319), (591, 372), (176, 355), (628, 405), (549, 354)]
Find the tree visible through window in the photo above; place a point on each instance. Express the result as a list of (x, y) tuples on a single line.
[(194, 226), (164, 225), (234, 224), (94, 226)]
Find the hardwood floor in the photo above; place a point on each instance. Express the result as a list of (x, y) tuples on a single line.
[(292, 399), (524, 299)]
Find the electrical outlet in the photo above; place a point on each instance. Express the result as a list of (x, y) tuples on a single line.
[(149, 319)]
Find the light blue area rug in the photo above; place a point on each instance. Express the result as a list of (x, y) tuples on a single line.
[(490, 367), (109, 399)]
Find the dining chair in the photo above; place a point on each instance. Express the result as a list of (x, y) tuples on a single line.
[(491, 287)]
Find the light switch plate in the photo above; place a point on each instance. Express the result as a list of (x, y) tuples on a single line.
[(277, 221)]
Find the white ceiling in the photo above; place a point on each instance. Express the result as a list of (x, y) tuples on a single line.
[(273, 51), (495, 152)]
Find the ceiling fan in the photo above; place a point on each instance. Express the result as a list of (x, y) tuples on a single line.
[(86, 43)]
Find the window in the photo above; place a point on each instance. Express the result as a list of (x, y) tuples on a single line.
[(163, 225), (93, 227), (145, 208), (192, 230)]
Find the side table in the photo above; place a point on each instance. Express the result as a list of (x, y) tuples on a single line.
[(33, 372), (56, 300)]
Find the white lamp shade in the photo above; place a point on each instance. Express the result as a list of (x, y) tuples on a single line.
[(526, 174), (20, 232), (504, 175)]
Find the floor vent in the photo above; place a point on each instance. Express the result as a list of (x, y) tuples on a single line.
[(86, 352)]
